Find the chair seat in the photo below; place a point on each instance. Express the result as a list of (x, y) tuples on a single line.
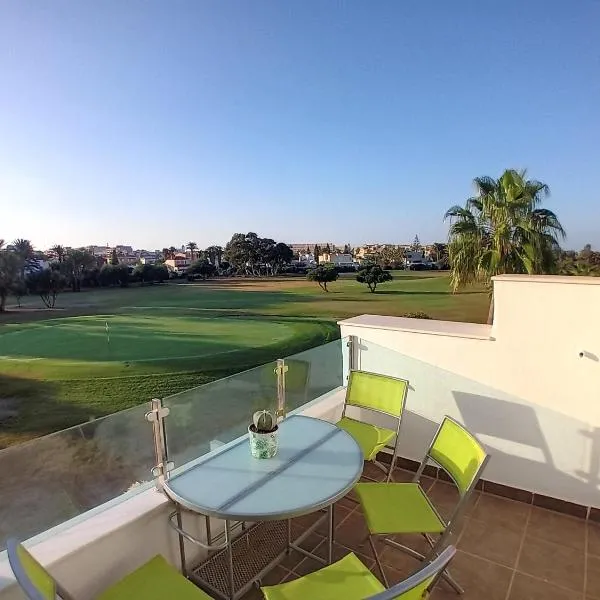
[(370, 438), (155, 580), (398, 508), (346, 579)]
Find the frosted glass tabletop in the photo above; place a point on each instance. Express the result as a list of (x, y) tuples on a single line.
[(316, 465)]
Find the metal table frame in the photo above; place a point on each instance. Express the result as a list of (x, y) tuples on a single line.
[(235, 521)]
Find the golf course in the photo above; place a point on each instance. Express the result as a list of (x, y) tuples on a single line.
[(107, 349)]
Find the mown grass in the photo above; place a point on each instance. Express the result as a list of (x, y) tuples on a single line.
[(58, 370)]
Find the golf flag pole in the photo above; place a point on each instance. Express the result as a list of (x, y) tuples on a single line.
[(107, 333)]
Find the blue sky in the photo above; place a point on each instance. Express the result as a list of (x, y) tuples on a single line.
[(154, 123)]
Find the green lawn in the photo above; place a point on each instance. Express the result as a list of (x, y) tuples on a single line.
[(57, 368)]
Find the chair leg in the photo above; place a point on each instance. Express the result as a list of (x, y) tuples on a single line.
[(446, 574), (378, 561)]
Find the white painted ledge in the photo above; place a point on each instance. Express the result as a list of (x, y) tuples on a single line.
[(579, 280), (476, 331)]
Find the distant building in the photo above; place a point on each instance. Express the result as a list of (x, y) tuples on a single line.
[(337, 259), (179, 263)]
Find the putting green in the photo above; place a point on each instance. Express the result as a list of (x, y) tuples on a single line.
[(138, 337)]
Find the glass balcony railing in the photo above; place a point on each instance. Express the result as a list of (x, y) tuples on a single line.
[(58, 477)]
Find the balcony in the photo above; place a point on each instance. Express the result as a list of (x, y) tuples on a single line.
[(526, 386)]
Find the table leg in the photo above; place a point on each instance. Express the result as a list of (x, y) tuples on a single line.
[(330, 535), (229, 543), (181, 542), (208, 531)]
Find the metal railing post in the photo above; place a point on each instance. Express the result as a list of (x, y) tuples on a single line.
[(156, 416), (353, 348), (281, 371)]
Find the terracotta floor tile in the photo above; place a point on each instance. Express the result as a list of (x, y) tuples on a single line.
[(339, 551), (490, 541), (553, 563), (399, 560), (305, 521), (481, 580), (525, 587), (353, 533), (339, 514), (309, 565), (277, 575), (502, 512), (348, 502), (373, 472), (593, 538), (294, 558), (556, 527), (445, 498), (593, 577)]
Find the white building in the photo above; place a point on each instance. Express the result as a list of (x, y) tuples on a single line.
[(337, 259)]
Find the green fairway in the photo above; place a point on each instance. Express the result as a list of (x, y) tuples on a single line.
[(61, 367), (135, 337)]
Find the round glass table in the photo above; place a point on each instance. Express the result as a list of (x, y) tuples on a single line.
[(317, 464)]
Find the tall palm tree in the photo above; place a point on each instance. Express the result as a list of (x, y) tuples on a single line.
[(503, 229), (24, 250), (192, 247), (59, 251)]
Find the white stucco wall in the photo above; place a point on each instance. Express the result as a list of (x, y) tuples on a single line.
[(520, 384)]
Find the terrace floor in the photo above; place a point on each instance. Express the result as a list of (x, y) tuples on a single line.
[(507, 550)]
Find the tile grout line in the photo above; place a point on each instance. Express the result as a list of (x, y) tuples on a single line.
[(514, 570)]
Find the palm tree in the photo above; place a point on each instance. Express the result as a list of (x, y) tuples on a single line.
[(59, 251), (191, 246), (503, 229), (24, 250)]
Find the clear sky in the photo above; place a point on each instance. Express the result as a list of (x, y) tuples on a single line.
[(153, 122)]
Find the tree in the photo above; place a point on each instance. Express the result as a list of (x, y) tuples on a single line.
[(416, 245), (503, 229), (440, 252), (316, 253), (10, 269), (151, 273), (59, 252), (203, 268), (192, 247), (323, 274), (114, 275), (74, 264), (214, 254), (373, 275), (114, 258), (24, 250), (236, 251), (279, 255), (328, 248), (347, 249), (48, 283)]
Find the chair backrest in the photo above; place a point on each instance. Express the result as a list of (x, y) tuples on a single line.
[(34, 580), (459, 453), (417, 585), (377, 392)]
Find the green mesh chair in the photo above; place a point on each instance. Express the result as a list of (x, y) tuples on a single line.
[(349, 579), (156, 580), (397, 508), (378, 394)]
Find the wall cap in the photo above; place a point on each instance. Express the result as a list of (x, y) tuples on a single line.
[(460, 329)]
